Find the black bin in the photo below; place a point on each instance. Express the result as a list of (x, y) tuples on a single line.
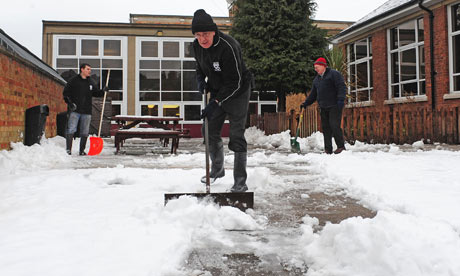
[(35, 123), (61, 123)]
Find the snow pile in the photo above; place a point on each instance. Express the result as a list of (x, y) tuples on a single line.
[(257, 137)]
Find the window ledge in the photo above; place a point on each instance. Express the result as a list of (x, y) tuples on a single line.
[(360, 104), (452, 95), (410, 99)]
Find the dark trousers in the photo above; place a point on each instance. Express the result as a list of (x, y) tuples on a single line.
[(331, 119)]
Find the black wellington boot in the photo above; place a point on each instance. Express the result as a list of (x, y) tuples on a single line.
[(68, 143), (217, 163), (239, 173), (83, 140)]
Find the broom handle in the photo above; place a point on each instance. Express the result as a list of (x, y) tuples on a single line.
[(206, 143), (103, 105)]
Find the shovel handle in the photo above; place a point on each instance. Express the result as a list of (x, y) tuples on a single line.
[(206, 143), (103, 105), (299, 123)]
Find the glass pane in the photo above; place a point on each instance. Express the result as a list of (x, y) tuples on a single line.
[(457, 83), (67, 74), (112, 48), (394, 38), (353, 98), (149, 80), (170, 64), (421, 53), (407, 33), (395, 91), (408, 65), (361, 49), (362, 75), (192, 96), (149, 110), (192, 112), (394, 68), (363, 96), (456, 17), (421, 29), (95, 76), (116, 96), (351, 51), (254, 96), (371, 77), (171, 111), (149, 64), (89, 47), (456, 53), (353, 77), (149, 48), (267, 108), (94, 63), (116, 79), (170, 81), (116, 109), (170, 49), (67, 47), (112, 63), (189, 65), (409, 89), (171, 96), (267, 96), (190, 81), (149, 96), (370, 46), (188, 49), (253, 108), (422, 88), (66, 63)]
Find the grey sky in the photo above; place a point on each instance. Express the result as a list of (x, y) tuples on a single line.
[(22, 19)]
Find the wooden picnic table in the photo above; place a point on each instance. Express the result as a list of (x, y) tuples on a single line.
[(145, 127)]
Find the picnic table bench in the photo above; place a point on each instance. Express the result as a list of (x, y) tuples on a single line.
[(148, 127)]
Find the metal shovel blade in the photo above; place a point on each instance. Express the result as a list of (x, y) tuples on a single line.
[(242, 201), (295, 146)]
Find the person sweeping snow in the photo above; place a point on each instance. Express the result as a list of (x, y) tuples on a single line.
[(221, 71)]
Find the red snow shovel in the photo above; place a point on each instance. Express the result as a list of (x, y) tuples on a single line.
[(240, 200), (96, 144)]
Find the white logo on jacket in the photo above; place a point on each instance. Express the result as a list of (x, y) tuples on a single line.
[(90, 87), (216, 66)]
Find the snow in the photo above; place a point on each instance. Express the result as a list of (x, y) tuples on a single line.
[(61, 215)]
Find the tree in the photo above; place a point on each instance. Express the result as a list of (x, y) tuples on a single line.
[(279, 44)]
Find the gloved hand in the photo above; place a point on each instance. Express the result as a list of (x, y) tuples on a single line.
[(340, 103), (209, 110), (202, 86), (105, 89), (72, 107)]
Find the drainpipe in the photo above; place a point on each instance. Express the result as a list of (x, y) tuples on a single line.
[(433, 73)]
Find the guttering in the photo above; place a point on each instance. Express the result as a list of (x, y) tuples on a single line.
[(432, 69)]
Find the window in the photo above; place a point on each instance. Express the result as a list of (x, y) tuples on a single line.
[(102, 54), (454, 47), (359, 55), (407, 59)]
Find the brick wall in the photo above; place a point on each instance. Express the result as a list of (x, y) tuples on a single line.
[(22, 85)]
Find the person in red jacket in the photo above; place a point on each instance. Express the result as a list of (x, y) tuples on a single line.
[(221, 70), (329, 90), (78, 94)]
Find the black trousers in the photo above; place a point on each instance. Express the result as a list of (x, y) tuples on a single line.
[(331, 119), (236, 111)]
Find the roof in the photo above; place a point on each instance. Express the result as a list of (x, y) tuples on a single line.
[(389, 9), (17, 49)]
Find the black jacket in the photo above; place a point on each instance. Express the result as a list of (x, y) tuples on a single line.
[(328, 89), (81, 92), (223, 64)]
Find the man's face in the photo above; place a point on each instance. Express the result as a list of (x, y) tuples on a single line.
[(85, 72), (320, 69), (205, 38)]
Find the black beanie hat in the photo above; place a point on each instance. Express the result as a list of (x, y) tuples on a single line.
[(202, 22)]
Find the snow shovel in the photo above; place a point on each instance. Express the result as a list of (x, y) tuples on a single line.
[(295, 146), (240, 200), (96, 144)]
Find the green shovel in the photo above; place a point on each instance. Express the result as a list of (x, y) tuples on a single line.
[(295, 146)]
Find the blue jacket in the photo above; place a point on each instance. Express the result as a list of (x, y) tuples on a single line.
[(327, 90)]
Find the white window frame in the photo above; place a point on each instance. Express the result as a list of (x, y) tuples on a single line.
[(451, 34), (416, 45), (124, 57), (366, 60)]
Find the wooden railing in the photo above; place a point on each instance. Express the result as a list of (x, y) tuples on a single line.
[(395, 124)]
